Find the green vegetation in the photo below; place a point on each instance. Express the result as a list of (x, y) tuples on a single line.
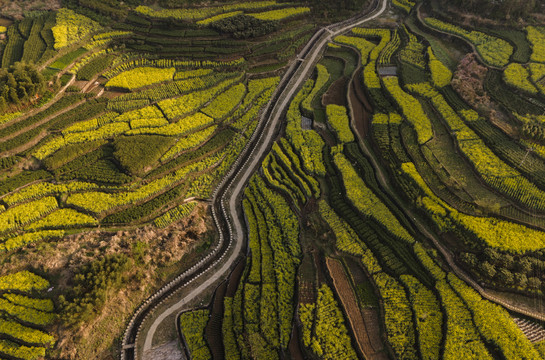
[(493, 50), (158, 101), (71, 27), (192, 326), (330, 339), (20, 83), (25, 316), (338, 119), (440, 74), (139, 77), (139, 152)]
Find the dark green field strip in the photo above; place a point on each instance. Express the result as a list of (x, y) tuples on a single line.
[(139, 212), (513, 153), (84, 111), (48, 38), (96, 166), (34, 46), (95, 66), (219, 140), (367, 173), (288, 185), (379, 101), (411, 74), (67, 59), (395, 255), (336, 66), (293, 177), (517, 38), (13, 51), (62, 103), (428, 174), (526, 218), (453, 99), (447, 53), (514, 102), (169, 90), (396, 143), (70, 152), (102, 171), (21, 179), (348, 55)]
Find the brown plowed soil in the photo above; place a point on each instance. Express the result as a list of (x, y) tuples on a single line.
[(294, 347), (360, 106), (362, 331), (335, 93)]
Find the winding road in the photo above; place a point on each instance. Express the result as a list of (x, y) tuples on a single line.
[(227, 196)]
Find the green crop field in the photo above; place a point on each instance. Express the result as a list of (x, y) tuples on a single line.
[(392, 207)]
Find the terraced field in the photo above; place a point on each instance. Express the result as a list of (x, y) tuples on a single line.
[(379, 179)]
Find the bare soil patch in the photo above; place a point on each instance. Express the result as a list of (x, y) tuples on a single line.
[(351, 308), (335, 93)]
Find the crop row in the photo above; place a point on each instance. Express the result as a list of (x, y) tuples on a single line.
[(192, 325), (337, 118), (278, 179), (37, 190), (203, 12), (225, 103), (98, 202), (494, 232), (412, 109), (23, 214), (135, 99), (25, 136), (440, 74), (141, 76), (428, 315), (366, 201), (280, 14), (405, 5), (175, 214), (20, 337), (88, 69), (189, 142), (330, 339), (18, 241), (412, 53), (187, 103), (322, 78), (72, 27), (167, 63), (536, 36), (517, 75), (493, 50), (492, 169), (389, 50), (62, 218), (307, 144)]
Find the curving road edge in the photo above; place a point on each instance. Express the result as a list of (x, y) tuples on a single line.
[(229, 191)]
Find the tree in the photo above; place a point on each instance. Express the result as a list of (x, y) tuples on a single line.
[(534, 283), (521, 280), (505, 277), (488, 269)]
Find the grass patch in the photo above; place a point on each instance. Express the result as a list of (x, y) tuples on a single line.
[(67, 59), (267, 68)]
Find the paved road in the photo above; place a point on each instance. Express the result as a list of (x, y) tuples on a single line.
[(308, 59)]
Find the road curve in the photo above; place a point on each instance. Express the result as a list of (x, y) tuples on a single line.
[(230, 193)]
